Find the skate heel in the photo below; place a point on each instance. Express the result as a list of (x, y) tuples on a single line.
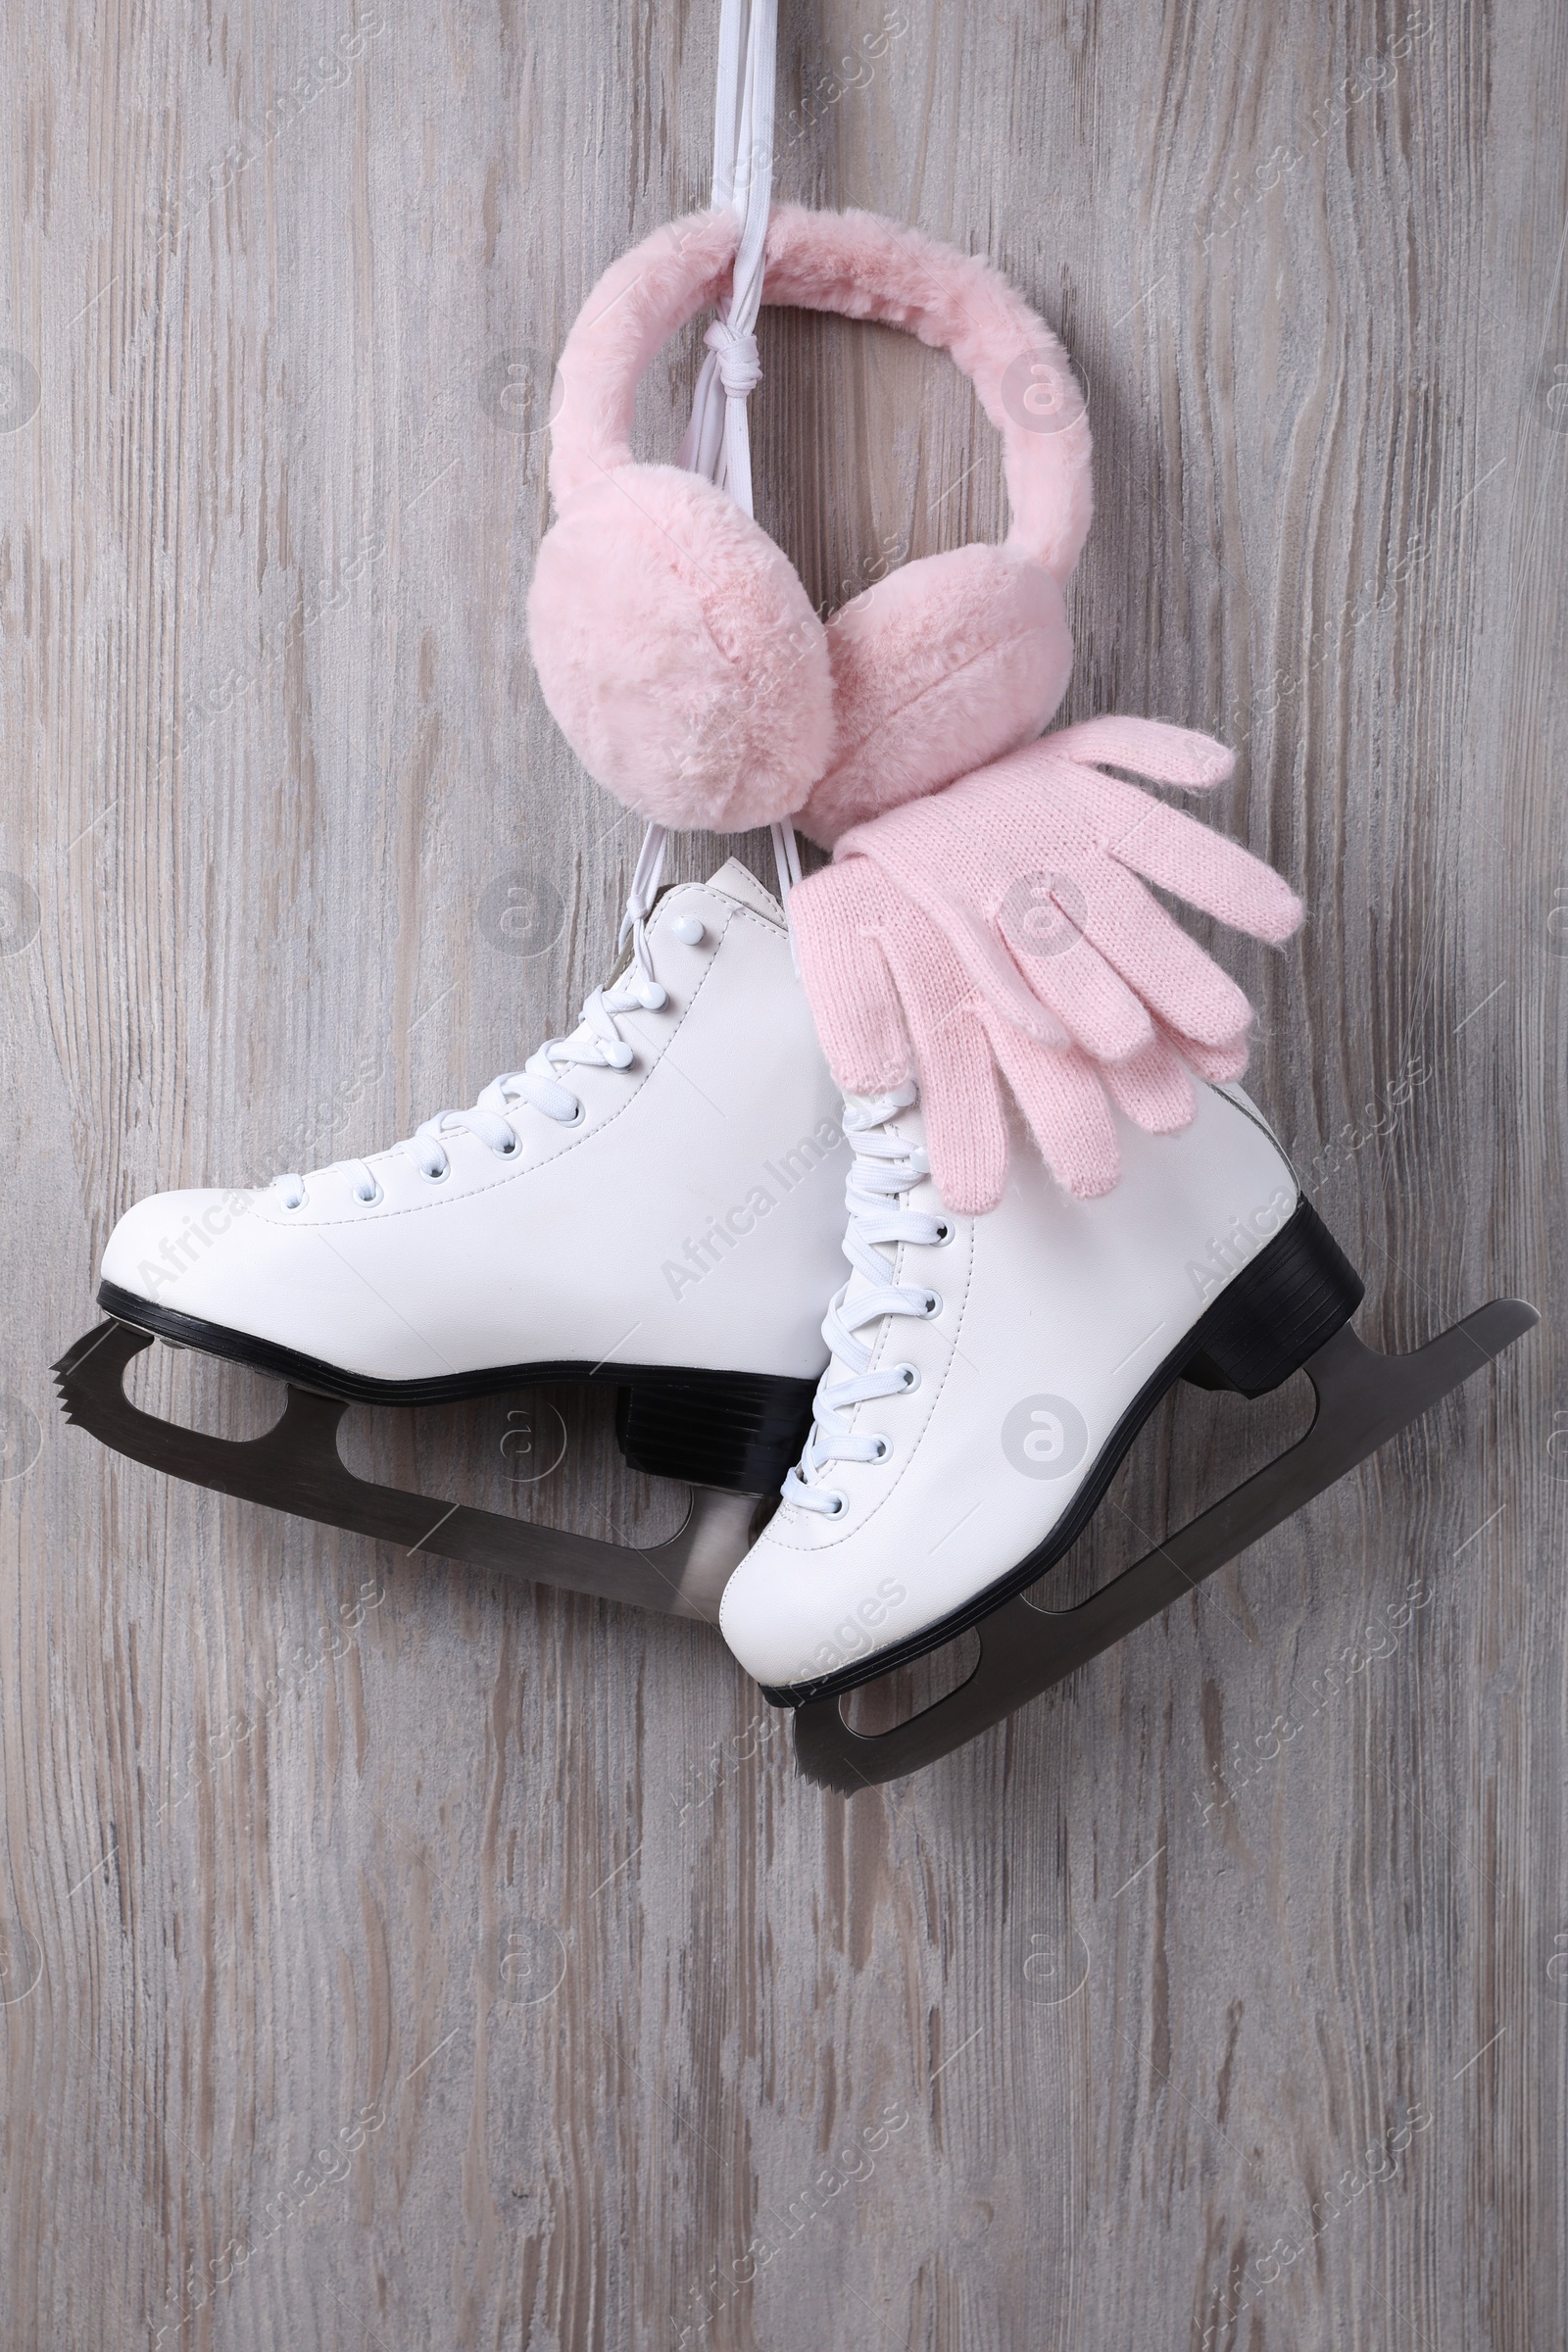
[(736, 1430), (1278, 1310)]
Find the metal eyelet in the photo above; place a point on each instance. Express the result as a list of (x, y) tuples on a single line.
[(367, 1199), (841, 1503), (908, 1375), (578, 1117), (933, 1304), (944, 1234), (882, 1448), (437, 1175), (506, 1150)]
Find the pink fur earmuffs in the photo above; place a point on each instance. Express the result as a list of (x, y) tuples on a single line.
[(676, 643)]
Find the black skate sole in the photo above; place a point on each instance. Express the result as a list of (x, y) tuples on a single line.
[(1276, 1312), (739, 1431)]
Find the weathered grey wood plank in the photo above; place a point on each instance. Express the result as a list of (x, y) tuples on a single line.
[(305, 1844)]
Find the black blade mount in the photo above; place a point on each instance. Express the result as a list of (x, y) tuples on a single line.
[(296, 1467), (1363, 1399)]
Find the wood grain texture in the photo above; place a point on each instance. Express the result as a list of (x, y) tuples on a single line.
[(513, 1899)]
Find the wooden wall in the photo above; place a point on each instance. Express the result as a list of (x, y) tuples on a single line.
[(1158, 2020)]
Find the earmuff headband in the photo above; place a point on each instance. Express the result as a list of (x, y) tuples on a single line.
[(861, 267)]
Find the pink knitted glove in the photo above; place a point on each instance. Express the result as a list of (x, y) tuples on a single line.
[(892, 1003), (1029, 867), (993, 930)]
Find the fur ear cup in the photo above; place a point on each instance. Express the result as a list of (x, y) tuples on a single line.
[(939, 668), (679, 653)]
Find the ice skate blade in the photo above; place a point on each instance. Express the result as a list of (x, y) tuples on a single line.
[(296, 1467), (1363, 1399), (702, 1428)]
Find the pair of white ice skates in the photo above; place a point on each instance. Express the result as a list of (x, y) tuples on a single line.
[(658, 1201)]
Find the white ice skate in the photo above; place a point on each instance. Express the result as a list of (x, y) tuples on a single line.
[(990, 1373), (654, 1201)]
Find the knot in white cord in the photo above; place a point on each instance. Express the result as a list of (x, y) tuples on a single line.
[(740, 370)]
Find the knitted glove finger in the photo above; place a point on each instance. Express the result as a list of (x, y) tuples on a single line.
[(1207, 870), (838, 917), (1217, 1063), (1059, 1092), (1163, 968), (965, 1124), (1154, 1088), (1149, 747), (1044, 921)]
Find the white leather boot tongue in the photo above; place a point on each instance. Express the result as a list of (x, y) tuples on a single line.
[(739, 883)]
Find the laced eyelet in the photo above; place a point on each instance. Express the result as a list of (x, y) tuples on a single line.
[(944, 1234), (298, 1202), (908, 1375), (933, 1304), (506, 1150), (882, 1448), (367, 1199), (578, 1117), (841, 1503), (437, 1175)]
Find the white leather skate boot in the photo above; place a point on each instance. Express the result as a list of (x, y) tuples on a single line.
[(989, 1374), (655, 1201)]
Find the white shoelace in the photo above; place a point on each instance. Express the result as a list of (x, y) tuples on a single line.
[(595, 1043), (884, 1166)]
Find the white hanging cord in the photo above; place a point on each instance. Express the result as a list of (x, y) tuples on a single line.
[(787, 858), (640, 897), (645, 881), (718, 443), (730, 97)]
